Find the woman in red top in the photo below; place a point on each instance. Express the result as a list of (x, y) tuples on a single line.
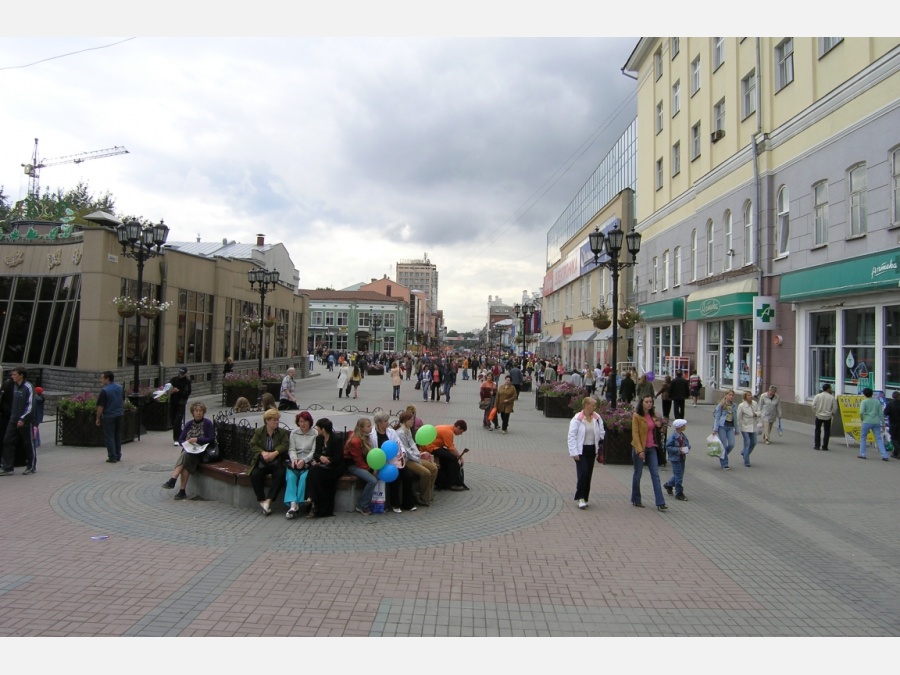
[(355, 451), (488, 392), (644, 445)]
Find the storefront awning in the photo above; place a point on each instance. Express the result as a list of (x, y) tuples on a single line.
[(550, 339), (666, 309), (582, 336), (880, 271), (719, 301)]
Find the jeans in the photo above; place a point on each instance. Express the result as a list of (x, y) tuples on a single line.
[(396, 392), (749, 443), (425, 388), (819, 424), (653, 465), (584, 470), (879, 441), (365, 501), (726, 435), (112, 435), (295, 489), (677, 479), (447, 386)]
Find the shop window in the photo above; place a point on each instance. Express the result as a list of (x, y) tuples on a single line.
[(858, 361), (822, 340)]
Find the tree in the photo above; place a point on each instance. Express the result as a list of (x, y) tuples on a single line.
[(4, 205), (60, 206)]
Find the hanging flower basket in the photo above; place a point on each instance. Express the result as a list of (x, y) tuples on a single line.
[(125, 306), (601, 317), (269, 321), (150, 308), (126, 313), (149, 313), (629, 317), (252, 323)]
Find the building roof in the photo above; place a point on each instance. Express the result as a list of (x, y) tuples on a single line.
[(218, 249), (370, 296)]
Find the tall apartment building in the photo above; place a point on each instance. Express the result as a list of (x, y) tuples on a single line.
[(770, 167), (422, 275)]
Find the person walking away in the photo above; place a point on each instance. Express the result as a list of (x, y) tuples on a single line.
[(515, 374), (724, 421), (626, 390), (748, 415), (823, 406), (576, 379), (178, 398), (586, 434), (589, 382), (355, 379), (871, 414), (18, 429), (506, 399), (396, 380), (644, 445), (111, 414), (343, 380), (679, 391), (769, 411), (664, 396), (677, 448), (38, 404), (487, 394), (287, 398), (892, 412), (644, 388), (694, 384), (311, 359)]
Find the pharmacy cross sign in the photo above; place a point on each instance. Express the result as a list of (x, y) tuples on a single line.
[(764, 312)]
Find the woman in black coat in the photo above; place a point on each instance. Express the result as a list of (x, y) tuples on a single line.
[(325, 469)]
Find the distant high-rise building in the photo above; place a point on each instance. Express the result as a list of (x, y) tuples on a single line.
[(422, 275)]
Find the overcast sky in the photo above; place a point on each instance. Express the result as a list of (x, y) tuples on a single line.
[(354, 152)]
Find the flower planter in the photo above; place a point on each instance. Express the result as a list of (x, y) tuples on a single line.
[(155, 415), (526, 386), (557, 406), (126, 313), (149, 313), (82, 429), (268, 323), (617, 447), (539, 400), (626, 324), (247, 391), (602, 324)]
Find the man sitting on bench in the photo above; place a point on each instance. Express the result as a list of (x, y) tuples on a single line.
[(444, 451)]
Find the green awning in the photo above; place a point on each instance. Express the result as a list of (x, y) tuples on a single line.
[(666, 309), (721, 301), (876, 272)]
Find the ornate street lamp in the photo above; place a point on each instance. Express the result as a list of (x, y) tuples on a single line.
[(376, 323), (141, 244), (267, 280), (611, 243), (524, 312)]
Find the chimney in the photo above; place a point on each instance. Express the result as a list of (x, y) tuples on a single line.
[(389, 290), (260, 240)]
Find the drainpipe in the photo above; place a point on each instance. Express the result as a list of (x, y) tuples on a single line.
[(758, 191)]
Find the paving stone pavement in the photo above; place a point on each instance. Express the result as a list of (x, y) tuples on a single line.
[(801, 543)]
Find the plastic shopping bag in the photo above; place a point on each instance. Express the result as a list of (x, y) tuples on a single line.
[(714, 446), (780, 430), (378, 497)]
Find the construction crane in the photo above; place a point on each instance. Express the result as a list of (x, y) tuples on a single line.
[(33, 170)]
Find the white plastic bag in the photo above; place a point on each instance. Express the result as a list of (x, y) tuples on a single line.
[(714, 446), (378, 497)]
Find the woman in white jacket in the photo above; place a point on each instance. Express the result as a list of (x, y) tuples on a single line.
[(343, 379), (748, 415), (585, 434)]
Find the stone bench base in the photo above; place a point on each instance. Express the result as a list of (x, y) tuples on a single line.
[(227, 482)]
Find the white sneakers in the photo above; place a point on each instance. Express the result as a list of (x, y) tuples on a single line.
[(582, 504)]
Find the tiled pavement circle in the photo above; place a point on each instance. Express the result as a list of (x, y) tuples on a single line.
[(802, 543)]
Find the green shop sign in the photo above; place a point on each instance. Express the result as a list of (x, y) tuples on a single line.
[(667, 309), (723, 306), (880, 271)]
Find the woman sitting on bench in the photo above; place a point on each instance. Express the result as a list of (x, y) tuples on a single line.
[(268, 447)]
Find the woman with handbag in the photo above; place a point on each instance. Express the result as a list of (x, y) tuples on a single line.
[(585, 435), (343, 380), (199, 431), (325, 468), (506, 399), (355, 379), (724, 421), (748, 414), (268, 447), (644, 446), (301, 446), (486, 393)]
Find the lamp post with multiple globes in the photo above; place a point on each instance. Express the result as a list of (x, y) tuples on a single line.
[(267, 281)]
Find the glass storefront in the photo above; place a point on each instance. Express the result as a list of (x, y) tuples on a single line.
[(39, 320)]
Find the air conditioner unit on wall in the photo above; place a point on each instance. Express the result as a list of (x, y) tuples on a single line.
[(717, 135)]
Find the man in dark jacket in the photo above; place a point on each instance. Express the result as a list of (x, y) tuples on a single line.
[(679, 391), (18, 429), (626, 389), (178, 398)]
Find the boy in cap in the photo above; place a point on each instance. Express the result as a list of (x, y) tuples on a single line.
[(677, 448)]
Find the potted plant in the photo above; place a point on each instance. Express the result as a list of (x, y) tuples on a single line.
[(526, 382), (617, 424), (629, 317), (247, 385), (155, 409), (269, 321), (150, 308), (558, 397), (125, 306), (251, 322), (77, 414), (601, 317)]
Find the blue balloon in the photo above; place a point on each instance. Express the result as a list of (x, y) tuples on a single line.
[(650, 376), (391, 448), (388, 473)]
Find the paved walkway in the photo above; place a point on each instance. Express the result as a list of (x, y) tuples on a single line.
[(803, 543)]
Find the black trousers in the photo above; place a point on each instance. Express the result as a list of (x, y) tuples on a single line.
[(401, 490), (176, 414), (818, 434), (667, 408), (258, 480), (679, 408), (448, 476), (584, 470), (14, 438)]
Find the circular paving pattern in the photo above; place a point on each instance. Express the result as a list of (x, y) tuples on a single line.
[(132, 503)]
